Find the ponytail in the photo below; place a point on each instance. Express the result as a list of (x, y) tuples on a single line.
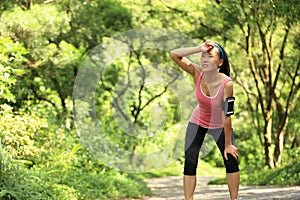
[(225, 69)]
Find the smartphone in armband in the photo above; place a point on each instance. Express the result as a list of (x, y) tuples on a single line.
[(229, 106)]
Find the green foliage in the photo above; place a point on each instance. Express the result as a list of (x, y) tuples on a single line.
[(90, 21), (19, 182), (20, 156), (57, 37), (42, 45), (47, 162), (288, 174), (46, 25), (42, 36), (258, 174), (285, 175), (11, 60), (18, 131)]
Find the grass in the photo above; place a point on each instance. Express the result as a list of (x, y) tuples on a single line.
[(285, 175), (176, 169)]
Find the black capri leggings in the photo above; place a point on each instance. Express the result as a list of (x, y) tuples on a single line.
[(193, 141)]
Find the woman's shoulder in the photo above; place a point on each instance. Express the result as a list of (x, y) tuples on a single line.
[(226, 82), (224, 77), (198, 69), (197, 74)]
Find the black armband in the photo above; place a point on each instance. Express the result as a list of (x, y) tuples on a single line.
[(229, 104)]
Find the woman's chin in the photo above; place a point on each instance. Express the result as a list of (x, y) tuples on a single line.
[(205, 69), (209, 69)]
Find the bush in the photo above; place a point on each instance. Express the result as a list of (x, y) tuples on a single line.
[(19, 182), (288, 174), (42, 161)]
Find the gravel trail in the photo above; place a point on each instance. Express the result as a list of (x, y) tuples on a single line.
[(170, 188)]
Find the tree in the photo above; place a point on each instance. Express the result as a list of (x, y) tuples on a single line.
[(57, 36), (270, 43), (136, 109), (12, 57), (267, 34)]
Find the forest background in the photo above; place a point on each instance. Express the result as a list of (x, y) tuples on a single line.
[(43, 44)]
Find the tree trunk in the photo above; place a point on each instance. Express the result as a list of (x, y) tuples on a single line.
[(132, 155), (268, 140), (279, 141)]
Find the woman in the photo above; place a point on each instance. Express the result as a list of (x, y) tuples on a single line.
[(214, 92)]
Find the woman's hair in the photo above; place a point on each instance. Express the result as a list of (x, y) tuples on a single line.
[(225, 69)]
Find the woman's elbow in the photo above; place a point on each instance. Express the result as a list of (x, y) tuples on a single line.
[(174, 56), (227, 121)]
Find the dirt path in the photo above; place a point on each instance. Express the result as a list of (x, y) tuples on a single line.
[(170, 188)]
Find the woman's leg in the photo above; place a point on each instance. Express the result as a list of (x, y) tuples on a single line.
[(232, 168), (189, 185), (233, 182), (193, 141)]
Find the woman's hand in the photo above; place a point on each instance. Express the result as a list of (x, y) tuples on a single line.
[(206, 46), (231, 149)]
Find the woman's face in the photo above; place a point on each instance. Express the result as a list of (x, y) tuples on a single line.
[(211, 60)]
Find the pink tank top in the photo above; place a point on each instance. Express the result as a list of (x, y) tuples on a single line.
[(208, 113)]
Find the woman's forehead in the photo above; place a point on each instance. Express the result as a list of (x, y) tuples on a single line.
[(214, 51)]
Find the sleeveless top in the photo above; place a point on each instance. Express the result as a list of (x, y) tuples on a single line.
[(209, 113)]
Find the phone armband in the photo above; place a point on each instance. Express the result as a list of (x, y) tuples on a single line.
[(229, 106)]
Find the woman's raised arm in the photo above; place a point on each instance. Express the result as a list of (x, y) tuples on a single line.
[(179, 57)]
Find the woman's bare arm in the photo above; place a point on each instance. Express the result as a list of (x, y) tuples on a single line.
[(187, 66), (229, 148), (179, 57)]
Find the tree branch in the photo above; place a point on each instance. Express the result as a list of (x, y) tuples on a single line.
[(267, 57), (116, 100), (158, 95), (254, 74), (293, 90), (175, 9), (281, 56), (40, 97)]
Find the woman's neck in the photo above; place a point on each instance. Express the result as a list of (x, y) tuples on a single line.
[(210, 76)]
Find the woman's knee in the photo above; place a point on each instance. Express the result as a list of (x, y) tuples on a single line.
[(231, 164), (191, 161), (190, 168)]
